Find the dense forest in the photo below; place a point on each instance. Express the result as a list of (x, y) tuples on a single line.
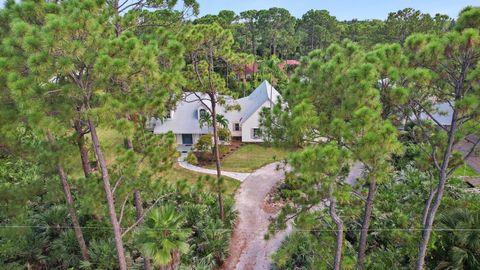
[(276, 32), (85, 185)]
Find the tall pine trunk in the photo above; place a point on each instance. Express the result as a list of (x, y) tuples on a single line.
[(430, 214), (109, 196), (362, 246), (339, 232), (87, 169), (428, 204), (217, 155), (70, 204), (71, 211), (137, 200)]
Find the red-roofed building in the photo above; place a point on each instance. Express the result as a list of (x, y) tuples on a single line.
[(288, 63)]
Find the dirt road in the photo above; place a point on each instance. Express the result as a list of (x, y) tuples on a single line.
[(248, 249)]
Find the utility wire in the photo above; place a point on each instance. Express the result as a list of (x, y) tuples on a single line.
[(185, 229)]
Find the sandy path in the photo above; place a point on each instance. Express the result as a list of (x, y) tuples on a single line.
[(248, 249)]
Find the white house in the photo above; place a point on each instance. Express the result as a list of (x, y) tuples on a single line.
[(243, 123)]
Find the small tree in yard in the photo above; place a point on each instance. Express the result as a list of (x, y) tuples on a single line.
[(191, 158), (204, 143), (224, 134)]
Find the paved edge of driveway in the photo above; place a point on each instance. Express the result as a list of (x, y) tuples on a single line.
[(235, 175)]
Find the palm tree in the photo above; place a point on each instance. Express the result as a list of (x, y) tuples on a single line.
[(460, 240), (162, 237), (222, 121), (205, 119)]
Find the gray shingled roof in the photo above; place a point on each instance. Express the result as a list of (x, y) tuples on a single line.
[(185, 117)]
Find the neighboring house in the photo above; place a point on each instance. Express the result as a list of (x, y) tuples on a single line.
[(288, 63), (248, 70), (243, 123)]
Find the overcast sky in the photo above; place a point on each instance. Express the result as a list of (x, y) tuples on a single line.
[(342, 9)]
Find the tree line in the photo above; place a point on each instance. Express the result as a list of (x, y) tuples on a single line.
[(275, 31)]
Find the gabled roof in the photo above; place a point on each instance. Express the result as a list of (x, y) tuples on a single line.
[(264, 92), (185, 117)]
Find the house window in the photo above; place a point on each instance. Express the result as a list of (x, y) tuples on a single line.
[(236, 126), (255, 133), (201, 112)]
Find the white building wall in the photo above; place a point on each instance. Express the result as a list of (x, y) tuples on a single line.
[(253, 122), (231, 126)]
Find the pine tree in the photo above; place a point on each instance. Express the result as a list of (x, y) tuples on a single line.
[(445, 70), (77, 68), (333, 99), (206, 47)]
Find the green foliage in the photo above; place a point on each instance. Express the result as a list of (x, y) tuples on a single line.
[(191, 158), (224, 134), (469, 17), (63, 61), (23, 187), (459, 248), (309, 250), (102, 255), (319, 30), (204, 143), (210, 241), (162, 237), (265, 33)]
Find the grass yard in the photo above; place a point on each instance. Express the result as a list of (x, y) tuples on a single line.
[(250, 157), (465, 170), (111, 139), (178, 173)]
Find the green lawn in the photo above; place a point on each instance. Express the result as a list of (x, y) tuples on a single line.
[(250, 157), (110, 139), (465, 170), (177, 173)]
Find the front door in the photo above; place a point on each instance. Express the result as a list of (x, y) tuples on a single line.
[(187, 139)]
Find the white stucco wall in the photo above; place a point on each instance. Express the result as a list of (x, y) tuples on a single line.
[(231, 126), (253, 122)]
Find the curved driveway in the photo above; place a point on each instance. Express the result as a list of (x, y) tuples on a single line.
[(248, 249), (235, 175)]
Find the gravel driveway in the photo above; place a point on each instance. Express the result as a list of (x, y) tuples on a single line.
[(248, 249)]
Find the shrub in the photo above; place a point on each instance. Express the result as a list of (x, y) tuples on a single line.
[(224, 134), (204, 143), (191, 158), (223, 149)]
